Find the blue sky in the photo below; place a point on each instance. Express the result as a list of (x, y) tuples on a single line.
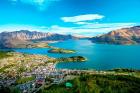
[(81, 17)]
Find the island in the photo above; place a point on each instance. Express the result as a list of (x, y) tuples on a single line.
[(61, 50), (71, 59)]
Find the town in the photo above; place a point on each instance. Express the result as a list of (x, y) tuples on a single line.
[(28, 73)]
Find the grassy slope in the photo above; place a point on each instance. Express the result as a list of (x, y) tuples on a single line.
[(99, 84), (3, 54)]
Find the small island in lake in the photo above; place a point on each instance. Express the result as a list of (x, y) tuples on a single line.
[(60, 50), (71, 59)]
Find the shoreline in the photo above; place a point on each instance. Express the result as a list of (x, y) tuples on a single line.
[(41, 72)]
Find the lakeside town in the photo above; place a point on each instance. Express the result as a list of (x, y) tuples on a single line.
[(69, 46), (28, 73)]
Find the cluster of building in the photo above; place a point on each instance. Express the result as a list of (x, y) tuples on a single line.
[(45, 74)]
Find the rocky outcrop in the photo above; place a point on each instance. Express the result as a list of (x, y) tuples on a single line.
[(121, 36)]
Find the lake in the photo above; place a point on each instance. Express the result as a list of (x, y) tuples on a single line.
[(100, 56)]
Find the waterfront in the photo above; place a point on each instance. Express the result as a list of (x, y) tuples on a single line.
[(35, 73), (100, 56)]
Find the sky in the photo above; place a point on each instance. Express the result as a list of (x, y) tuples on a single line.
[(80, 17)]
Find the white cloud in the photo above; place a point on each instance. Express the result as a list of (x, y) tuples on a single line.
[(82, 18), (90, 30), (87, 30), (40, 4), (82, 23)]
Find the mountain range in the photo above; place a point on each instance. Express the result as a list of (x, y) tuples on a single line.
[(16, 38), (25, 38), (129, 35)]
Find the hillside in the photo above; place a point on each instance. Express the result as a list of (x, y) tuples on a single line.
[(98, 84), (121, 36), (25, 37)]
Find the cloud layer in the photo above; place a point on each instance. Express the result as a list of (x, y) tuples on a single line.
[(86, 30), (90, 30), (82, 18)]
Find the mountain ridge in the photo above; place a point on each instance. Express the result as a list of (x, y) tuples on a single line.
[(9, 39), (129, 35)]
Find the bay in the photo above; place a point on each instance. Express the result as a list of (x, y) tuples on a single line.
[(100, 56)]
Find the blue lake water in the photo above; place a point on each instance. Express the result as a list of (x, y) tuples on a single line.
[(100, 56)]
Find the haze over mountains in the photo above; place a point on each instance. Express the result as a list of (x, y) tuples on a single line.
[(121, 36), (10, 39)]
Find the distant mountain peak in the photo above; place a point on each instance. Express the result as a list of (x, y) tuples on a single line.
[(121, 36)]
